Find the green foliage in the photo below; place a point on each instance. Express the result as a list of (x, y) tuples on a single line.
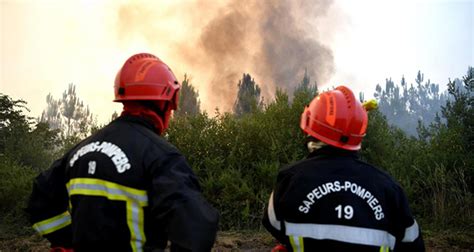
[(305, 86), (21, 141), (237, 157), (35, 148), (12, 120), (248, 97), (448, 164), (16, 183), (26, 148), (189, 103), (406, 106), (436, 170)]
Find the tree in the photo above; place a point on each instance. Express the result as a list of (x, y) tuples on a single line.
[(24, 150), (73, 110), (21, 140), (460, 111), (52, 115), (459, 114), (189, 103), (12, 120), (248, 97), (409, 107), (69, 115), (305, 87), (304, 91), (447, 163)]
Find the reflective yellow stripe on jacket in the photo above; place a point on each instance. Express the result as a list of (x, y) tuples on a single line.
[(53, 224), (135, 201), (297, 243)]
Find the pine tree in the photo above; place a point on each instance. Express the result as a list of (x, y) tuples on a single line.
[(410, 107), (248, 97), (68, 114), (189, 103)]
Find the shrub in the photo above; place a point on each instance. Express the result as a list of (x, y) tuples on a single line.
[(16, 183)]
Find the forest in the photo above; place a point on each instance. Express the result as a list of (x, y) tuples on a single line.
[(421, 135)]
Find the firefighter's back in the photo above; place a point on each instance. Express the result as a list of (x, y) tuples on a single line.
[(108, 183), (333, 202)]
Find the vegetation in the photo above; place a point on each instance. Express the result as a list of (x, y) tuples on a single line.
[(189, 104), (237, 155), (248, 96), (407, 105), (69, 116)]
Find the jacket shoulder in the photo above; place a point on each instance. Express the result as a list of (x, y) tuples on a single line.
[(381, 175), (149, 138)]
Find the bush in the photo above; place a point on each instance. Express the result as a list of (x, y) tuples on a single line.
[(237, 158), (16, 184)]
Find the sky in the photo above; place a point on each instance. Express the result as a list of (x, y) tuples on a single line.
[(47, 44)]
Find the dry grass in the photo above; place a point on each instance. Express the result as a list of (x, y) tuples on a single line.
[(32, 243), (254, 241)]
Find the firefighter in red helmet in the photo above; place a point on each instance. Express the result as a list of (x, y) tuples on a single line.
[(332, 201), (125, 188)]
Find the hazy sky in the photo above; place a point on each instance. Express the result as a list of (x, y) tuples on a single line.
[(47, 44)]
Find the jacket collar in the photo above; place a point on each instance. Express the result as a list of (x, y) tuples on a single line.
[(330, 151), (139, 120)]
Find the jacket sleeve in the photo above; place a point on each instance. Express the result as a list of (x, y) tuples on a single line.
[(410, 238), (178, 206), (48, 206), (272, 218), (272, 223)]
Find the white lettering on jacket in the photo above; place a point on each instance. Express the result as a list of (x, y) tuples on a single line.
[(336, 186), (117, 156)]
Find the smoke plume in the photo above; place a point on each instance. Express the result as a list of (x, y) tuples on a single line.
[(274, 41)]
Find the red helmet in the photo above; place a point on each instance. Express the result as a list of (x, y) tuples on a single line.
[(144, 77), (335, 117)]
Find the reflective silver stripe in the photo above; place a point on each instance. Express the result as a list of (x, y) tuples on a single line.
[(142, 199), (52, 224), (356, 235), (411, 233), (271, 214), (133, 210)]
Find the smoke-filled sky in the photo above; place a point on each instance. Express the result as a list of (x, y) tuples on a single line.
[(47, 44)]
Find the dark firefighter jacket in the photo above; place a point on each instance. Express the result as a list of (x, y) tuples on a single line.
[(331, 201), (123, 189)]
